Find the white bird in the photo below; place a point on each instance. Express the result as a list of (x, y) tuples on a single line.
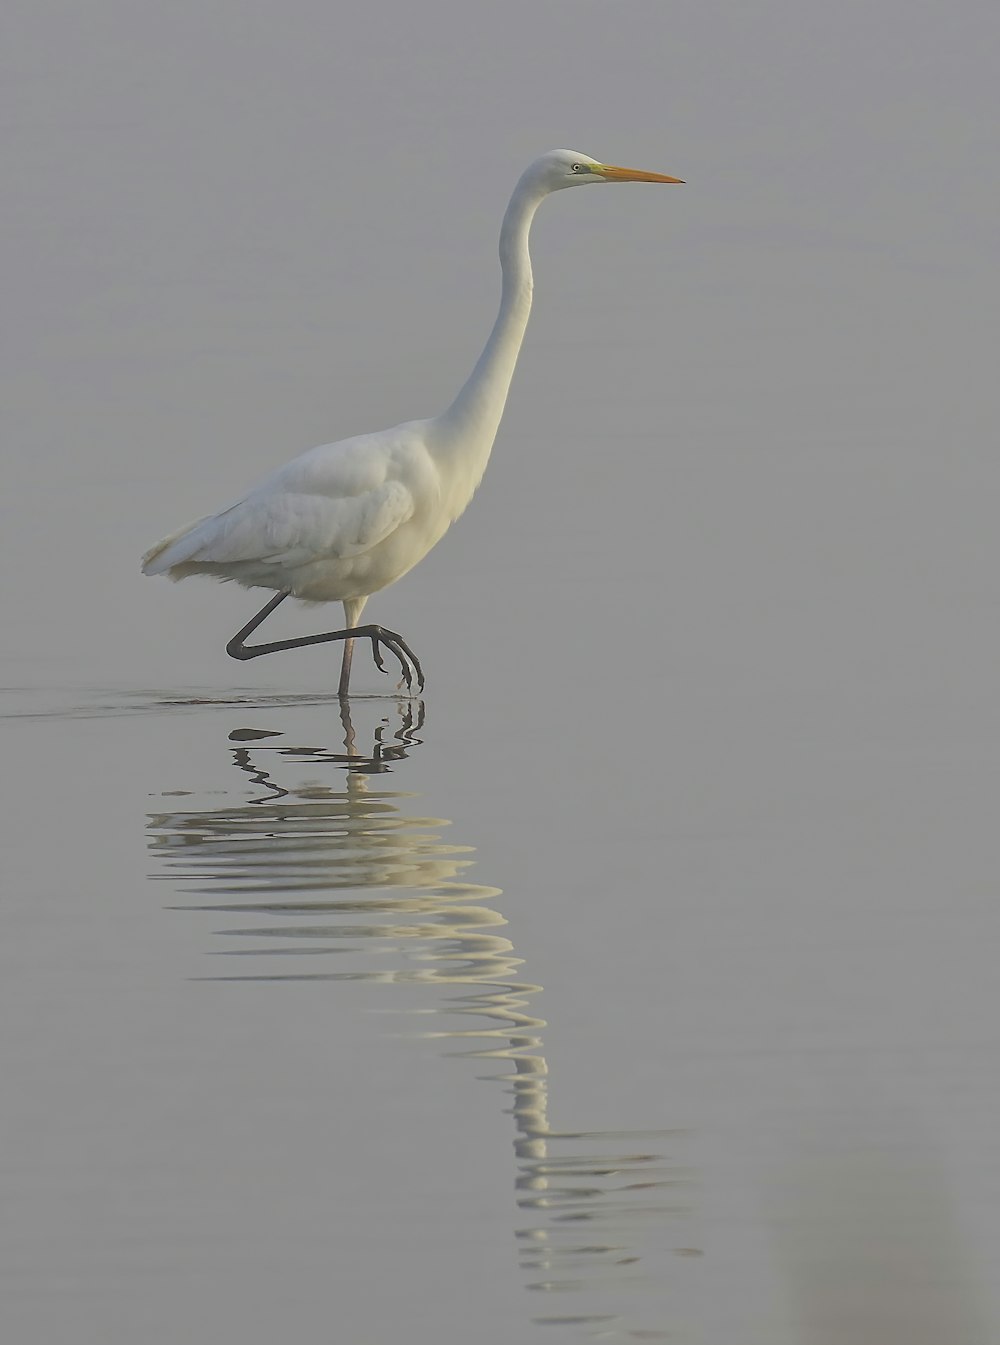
[(342, 521)]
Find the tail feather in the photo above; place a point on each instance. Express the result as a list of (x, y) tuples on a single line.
[(179, 547)]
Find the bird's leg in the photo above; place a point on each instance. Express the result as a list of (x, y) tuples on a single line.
[(345, 667), (353, 607), (236, 648), (378, 635)]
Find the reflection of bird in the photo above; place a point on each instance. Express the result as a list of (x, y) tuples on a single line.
[(338, 880), (342, 521)]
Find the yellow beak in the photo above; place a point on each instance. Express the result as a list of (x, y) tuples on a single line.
[(614, 174)]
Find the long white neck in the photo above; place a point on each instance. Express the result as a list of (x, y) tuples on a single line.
[(470, 424)]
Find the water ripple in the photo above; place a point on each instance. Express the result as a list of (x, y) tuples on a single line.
[(602, 1212)]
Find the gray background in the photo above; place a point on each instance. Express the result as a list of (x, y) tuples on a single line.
[(712, 664)]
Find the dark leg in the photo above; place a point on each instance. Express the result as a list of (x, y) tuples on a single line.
[(377, 634)]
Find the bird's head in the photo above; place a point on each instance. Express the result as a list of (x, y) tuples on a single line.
[(566, 168)]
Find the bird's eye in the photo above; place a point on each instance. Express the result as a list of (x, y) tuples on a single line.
[(577, 168)]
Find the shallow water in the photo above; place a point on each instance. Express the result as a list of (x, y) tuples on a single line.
[(282, 1055), (320, 1069)]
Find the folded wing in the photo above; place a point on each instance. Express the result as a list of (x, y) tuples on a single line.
[(285, 527)]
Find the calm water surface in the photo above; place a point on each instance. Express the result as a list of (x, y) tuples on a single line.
[(278, 1053), (406, 1139)]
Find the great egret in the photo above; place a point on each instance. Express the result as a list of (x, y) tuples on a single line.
[(344, 520)]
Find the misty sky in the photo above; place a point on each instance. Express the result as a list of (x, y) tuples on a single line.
[(237, 230)]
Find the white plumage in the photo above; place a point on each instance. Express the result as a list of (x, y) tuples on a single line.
[(344, 520), (318, 525)]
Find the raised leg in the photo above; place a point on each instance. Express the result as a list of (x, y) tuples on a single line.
[(378, 635)]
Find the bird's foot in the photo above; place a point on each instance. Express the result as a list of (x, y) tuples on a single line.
[(396, 645)]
